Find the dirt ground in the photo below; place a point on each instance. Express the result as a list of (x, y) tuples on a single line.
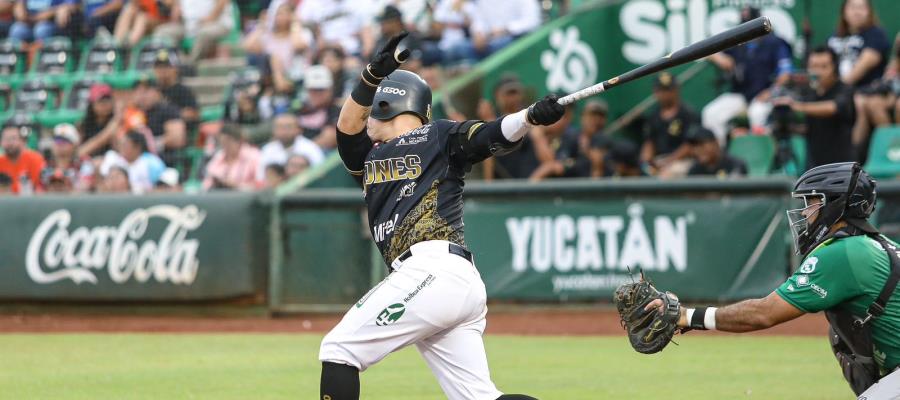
[(524, 322)]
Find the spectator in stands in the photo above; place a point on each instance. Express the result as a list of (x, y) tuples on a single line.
[(99, 13), (144, 167), (752, 68), (206, 21), (295, 165), (281, 44), (57, 180), (165, 69), (390, 21), (624, 160), (333, 58), (339, 22), (35, 20), (169, 181), (862, 48), (163, 119), (580, 152), (139, 18), (709, 159), (65, 157), (829, 111), (497, 23), (115, 180), (557, 152), (861, 45), (101, 122), (5, 184), (451, 25), (22, 164), (6, 16), (509, 96), (879, 104), (664, 150), (318, 114), (235, 164), (286, 138), (274, 175)]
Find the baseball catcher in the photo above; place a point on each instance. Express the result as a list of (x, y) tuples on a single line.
[(412, 170), (849, 270)]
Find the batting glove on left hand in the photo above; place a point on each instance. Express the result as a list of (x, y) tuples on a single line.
[(546, 111), (388, 58)]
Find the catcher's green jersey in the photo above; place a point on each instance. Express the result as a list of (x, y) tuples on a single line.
[(849, 272)]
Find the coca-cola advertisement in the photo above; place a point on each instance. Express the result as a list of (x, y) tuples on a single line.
[(118, 248)]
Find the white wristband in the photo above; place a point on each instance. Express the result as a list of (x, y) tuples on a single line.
[(709, 319), (515, 126)]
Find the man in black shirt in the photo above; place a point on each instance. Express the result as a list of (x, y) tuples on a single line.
[(163, 119), (165, 68), (708, 156), (665, 125), (829, 109)]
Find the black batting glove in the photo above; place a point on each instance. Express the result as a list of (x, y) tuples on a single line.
[(388, 58), (546, 111), (385, 61)]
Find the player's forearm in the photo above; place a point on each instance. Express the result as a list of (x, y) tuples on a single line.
[(515, 126), (746, 316), (352, 119)]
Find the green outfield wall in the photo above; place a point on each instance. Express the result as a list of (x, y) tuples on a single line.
[(559, 241), (128, 248)]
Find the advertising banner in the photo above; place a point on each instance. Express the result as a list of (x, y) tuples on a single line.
[(704, 248), (152, 247)]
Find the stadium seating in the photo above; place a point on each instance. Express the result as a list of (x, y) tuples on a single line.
[(73, 106), (101, 58), (757, 151), (142, 57), (884, 153), (54, 62), (12, 63)]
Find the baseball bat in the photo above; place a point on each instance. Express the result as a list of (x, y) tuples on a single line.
[(740, 34)]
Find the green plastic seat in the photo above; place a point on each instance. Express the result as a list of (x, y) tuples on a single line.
[(54, 62), (884, 153), (140, 62), (73, 107), (101, 57), (12, 63), (757, 151)]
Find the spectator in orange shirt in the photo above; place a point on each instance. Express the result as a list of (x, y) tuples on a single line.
[(23, 165)]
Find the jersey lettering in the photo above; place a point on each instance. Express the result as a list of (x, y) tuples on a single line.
[(393, 169)]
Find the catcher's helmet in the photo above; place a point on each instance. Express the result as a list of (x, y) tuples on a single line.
[(402, 92), (845, 192)]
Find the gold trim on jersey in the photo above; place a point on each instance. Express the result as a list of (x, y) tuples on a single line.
[(422, 223)]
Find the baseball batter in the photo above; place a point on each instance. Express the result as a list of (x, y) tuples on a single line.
[(412, 171)]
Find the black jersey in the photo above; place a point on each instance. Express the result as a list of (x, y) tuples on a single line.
[(413, 183)]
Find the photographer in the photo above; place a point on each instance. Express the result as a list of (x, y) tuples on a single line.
[(828, 109)]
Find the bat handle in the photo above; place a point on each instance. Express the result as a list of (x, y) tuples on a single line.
[(586, 92)]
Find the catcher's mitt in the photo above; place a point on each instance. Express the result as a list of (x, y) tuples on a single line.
[(649, 331)]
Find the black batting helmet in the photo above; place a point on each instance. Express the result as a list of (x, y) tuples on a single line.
[(846, 192), (402, 92)]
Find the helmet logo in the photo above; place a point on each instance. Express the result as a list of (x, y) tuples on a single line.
[(428, 112), (392, 90)]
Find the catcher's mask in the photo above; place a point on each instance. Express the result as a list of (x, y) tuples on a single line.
[(830, 193), (402, 92)]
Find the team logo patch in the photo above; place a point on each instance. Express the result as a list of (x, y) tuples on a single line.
[(803, 280), (809, 265), (407, 190), (390, 314)]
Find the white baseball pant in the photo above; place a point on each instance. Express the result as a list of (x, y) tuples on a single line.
[(433, 299)]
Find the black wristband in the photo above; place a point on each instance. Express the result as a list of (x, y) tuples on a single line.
[(698, 318), (364, 92)]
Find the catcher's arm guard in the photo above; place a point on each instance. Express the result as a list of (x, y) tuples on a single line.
[(649, 331)]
